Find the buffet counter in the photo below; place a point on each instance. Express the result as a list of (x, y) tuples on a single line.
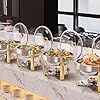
[(50, 86)]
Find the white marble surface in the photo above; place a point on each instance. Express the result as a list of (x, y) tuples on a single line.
[(51, 87)]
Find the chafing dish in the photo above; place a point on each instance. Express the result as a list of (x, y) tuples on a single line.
[(57, 59), (90, 65)]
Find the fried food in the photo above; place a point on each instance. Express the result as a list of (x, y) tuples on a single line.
[(66, 53), (11, 42), (91, 59), (36, 48), (24, 47), (57, 52), (3, 42)]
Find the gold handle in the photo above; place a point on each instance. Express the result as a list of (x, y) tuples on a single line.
[(32, 61), (61, 69), (8, 53)]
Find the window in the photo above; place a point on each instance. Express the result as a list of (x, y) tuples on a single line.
[(65, 5), (83, 13), (66, 19), (89, 6), (90, 24)]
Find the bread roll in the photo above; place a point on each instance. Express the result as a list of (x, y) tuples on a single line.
[(6, 88), (29, 97), (17, 93)]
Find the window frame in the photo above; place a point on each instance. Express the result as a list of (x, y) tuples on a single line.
[(76, 14)]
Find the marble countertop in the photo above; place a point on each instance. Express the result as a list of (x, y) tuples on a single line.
[(50, 86)]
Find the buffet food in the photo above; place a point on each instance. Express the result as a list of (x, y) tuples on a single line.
[(57, 52), (91, 59), (13, 44), (52, 56), (17, 93), (6, 88), (3, 44), (29, 97), (24, 50), (89, 64), (24, 47), (36, 48)]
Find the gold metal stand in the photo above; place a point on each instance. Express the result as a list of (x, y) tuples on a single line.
[(42, 63), (8, 53), (32, 67), (98, 81), (62, 69), (67, 67)]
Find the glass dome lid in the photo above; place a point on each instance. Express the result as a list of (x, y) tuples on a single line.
[(96, 46), (72, 42), (20, 33), (43, 36)]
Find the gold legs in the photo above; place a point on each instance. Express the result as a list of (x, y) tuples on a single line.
[(61, 69), (99, 82), (32, 67), (8, 53), (42, 64)]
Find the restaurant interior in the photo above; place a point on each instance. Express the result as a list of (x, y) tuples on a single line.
[(49, 50)]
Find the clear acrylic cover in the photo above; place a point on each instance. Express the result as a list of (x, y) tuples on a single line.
[(43, 37), (20, 33), (96, 46), (72, 42)]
